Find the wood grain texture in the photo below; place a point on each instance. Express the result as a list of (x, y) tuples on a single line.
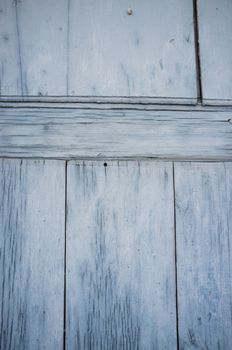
[(204, 231), (120, 256), (36, 47), (99, 103), (215, 27), (31, 254), (10, 64), (149, 53), (72, 133), (89, 49)]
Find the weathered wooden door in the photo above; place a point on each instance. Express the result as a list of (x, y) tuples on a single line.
[(115, 175)]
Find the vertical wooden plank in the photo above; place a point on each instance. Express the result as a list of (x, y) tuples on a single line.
[(10, 73), (203, 227), (148, 53), (120, 256), (88, 48), (215, 28), (32, 204), (37, 31)]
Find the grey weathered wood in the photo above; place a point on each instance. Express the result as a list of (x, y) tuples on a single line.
[(99, 100), (99, 103), (89, 48), (215, 28), (71, 133), (148, 53), (34, 43), (204, 232), (10, 72), (120, 256), (31, 254)]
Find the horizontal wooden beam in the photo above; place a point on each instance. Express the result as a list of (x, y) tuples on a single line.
[(114, 105), (110, 133), (101, 99)]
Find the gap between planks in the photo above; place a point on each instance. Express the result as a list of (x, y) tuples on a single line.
[(65, 252), (175, 255), (197, 51)]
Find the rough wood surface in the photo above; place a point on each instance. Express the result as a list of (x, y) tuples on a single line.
[(204, 236), (31, 254), (35, 46), (89, 48), (148, 53), (72, 133), (215, 28), (120, 256), (10, 65), (59, 102)]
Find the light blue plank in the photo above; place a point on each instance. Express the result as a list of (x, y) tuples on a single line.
[(31, 254), (215, 28), (204, 265), (10, 62), (120, 256), (88, 48), (148, 53), (34, 56)]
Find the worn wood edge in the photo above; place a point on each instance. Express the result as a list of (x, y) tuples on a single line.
[(31, 162), (115, 106), (217, 102), (115, 134), (43, 109), (196, 164), (117, 163), (102, 99), (143, 161), (162, 160)]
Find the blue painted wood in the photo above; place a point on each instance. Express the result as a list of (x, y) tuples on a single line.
[(95, 132), (33, 54), (215, 28), (88, 48), (204, 265), (120, 256), (148, 53), (31, 254)]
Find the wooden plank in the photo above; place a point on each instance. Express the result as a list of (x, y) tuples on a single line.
[(215, 27), (149, 53), (37, 32), (100, 100), (91, 49), (58, 102), (204, 229), (10, 73), (72, 133), (31, 254), (120, 256)]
